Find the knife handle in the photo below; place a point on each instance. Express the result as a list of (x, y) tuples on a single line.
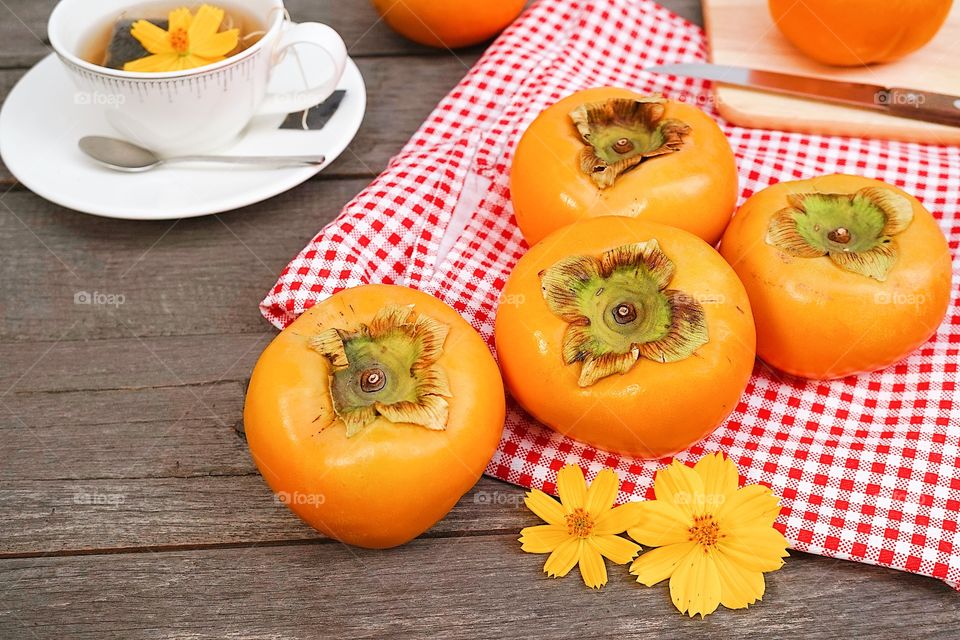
[(921, 105)]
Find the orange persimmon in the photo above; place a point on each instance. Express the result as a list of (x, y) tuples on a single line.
[(448, 23), (609, 151), (373, 413), (625, 334), (859, 32), (845, 274)]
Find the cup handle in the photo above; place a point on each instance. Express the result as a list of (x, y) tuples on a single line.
[(318, 35)]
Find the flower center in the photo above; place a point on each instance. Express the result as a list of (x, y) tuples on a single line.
[(705, 531), (579, 523), (180, 41)]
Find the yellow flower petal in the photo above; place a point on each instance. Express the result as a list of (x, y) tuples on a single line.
[(602, 493), (572, 487), (753, 506), (756, 550), (154, 63), (695, 584), (179, 19), (592, 569), (681, 486), (720, 477), (618, 519), (205, 23), (657, 565), (548, 509), (153, 38), (660, 523), (618, 550), (739, 587), (542, 538), (563, 558), (218, 44)]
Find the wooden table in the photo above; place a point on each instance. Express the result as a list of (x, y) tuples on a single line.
[(130, 506)]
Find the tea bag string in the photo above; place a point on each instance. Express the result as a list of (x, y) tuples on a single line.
[(261, 32)]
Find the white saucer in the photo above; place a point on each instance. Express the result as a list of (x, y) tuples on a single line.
[(42, 119)]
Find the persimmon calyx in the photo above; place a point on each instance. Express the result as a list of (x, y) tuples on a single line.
[(618, 309), (856, 231), (388, 368), (621, 133)]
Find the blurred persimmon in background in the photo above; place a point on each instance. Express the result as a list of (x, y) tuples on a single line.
[(859, 32), (448, 23)]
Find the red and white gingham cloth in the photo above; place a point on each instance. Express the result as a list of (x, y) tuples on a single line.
[(868, 467)]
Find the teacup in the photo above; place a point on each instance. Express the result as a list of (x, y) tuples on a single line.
[(196, 109)]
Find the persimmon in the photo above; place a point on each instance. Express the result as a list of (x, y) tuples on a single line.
[(609, 151), (845, 274), (628, 335), (448, 23), (373, 413), (859, 32)]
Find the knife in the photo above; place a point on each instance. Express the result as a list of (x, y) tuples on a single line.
[(895, 101)]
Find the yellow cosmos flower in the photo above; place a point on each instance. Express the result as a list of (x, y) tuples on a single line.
[(715, 540), (189, 41), (582, 528)]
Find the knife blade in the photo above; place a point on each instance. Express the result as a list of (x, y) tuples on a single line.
[(915, 104)]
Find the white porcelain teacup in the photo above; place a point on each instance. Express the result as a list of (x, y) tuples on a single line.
[(196, 109)]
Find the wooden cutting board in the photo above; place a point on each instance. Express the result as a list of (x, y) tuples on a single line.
[(742, 33)]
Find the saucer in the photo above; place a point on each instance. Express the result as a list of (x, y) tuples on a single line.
[(44, 117)]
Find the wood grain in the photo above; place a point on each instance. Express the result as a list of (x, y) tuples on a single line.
[(364, 33), (468, 587), (224, 503), (742, 33)]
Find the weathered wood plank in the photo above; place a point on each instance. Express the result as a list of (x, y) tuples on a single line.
[(196, 276), (179, 431), (401, 93), (25, 29), (472, 587), (156, 456), (81, 516), (128, 363)]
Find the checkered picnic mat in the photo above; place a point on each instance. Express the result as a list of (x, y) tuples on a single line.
[(868, 467)]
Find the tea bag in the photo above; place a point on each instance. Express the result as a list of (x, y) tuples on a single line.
[(123, 47), (316, 117)]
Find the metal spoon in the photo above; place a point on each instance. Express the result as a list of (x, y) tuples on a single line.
[(126, 156)]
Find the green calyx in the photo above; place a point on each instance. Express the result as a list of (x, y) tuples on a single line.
[(389, 369), (618, 309), (856, 231), (621, 133)]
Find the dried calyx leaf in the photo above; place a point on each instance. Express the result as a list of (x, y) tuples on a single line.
[(388, 368), (619, 309), (621, 133), (856, 231)]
